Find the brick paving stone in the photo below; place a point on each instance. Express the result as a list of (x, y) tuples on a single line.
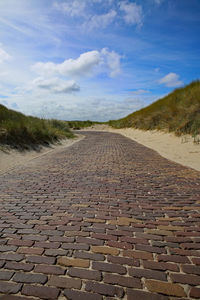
[(104, 289), (105, 218), (133, 294), (29, 278), (42, 292), (12, 297), (165, 288), (10, 288), (77, 295), (63, 282)]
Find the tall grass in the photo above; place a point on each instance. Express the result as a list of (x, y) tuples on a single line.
[(23, 132), (81, 124), (178, 112)]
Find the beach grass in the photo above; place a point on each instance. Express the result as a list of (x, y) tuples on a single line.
[(178, 112)]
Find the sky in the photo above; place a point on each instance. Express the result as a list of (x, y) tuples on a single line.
[(95, 59)]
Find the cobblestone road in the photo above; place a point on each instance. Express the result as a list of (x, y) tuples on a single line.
[(105, 218)]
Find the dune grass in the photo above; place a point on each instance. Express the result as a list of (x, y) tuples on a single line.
[(178, 112), (76, 125), (25, 132)]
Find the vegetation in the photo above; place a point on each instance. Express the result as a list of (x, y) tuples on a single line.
[(23, 132), (76, 125), (178, 112)]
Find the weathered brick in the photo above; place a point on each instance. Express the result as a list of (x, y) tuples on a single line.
[(166, 288), (46, 269), (104, 289), (29, 278), (56, 252), (122, 281), (106, 267), (133, 294), (71, 262), (63, 282), (11, 256), (173, 258), (30, 250), (6, 275), (10, 288), (43, 292), (160, 266), (138, 254), (107, 237), (185, 279), (85, 274), (77, 295), (12, 297), (18, 266), (6, 248), (195, 293), (17, 242), (151, 274), (47, 245), (105, 250), (88, 255), (196, 261), (123, 260), (191, 269), (121, 245), (73, 246), (40, 260), (149, 248)]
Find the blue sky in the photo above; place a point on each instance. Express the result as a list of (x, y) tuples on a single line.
[(95, 59)]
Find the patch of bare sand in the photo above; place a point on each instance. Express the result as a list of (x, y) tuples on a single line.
[(178, 149), (12, 158)]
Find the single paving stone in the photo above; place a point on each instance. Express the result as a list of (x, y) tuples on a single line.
[(41, 260), (85, 274), (123, 260), (43, 292), (104, 250), (12, 297), (6, 248), (17, 242), (138, 254), (151, 274), (6, 275), (106, 267), (77, 295), (63, 282), (104, 289), (30, 278), (10, 256), (71, 262), (30, 250), (18, 266), (133, 294), (191, 269), (73, 246), (122, 281), (10, 288), (160, 266), (185, 279), (195, 293), (88, 255), (166, 288), (56, 252), (46, 269)]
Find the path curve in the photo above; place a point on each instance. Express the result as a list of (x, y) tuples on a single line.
[(106, 218)]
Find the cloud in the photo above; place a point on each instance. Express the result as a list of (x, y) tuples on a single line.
[(140, 92), (113, 61), (158, 2), (83, 65), (4, 56), (133, 13), (171, 80), (56, 85), (72, 8), (100, 21)]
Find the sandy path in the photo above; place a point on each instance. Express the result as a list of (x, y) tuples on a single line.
[(178, 149), (13, 158)]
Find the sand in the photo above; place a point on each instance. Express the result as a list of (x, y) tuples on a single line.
[(181, 150), (13, 158)]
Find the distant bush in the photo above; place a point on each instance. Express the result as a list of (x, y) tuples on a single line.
[(76, 125), (178, 112), (23, 132)]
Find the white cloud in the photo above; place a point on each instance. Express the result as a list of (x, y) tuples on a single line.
[(4, 56), (133, 13), (72, 8), (83, 65), (100, 21), (140, 92), (171, 80), (56, 85), (113, 61), (158, 2)]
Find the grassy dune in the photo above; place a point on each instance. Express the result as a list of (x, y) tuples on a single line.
[(178, 112), (23, 132)]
